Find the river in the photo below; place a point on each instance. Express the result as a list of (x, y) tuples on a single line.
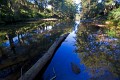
[(83, 57), (30, 41), (60, 66), (86, 54)]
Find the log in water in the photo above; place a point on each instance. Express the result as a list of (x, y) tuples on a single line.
[(36, 68)]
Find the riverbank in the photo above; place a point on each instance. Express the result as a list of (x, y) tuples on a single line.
[(31, 20), (108, 26), (23, 26)]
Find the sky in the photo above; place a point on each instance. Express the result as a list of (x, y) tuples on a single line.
[(77, 1), (99, 1)]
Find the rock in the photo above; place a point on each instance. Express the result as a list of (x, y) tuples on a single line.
[(75, 68)]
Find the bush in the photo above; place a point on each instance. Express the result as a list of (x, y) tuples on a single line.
[(114, 15)]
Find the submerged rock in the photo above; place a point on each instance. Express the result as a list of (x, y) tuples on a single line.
[(75, 68)]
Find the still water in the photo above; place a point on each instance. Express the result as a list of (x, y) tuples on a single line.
[(60, 66), (26, 35), (84, 55), (30, 42), (87, 63)]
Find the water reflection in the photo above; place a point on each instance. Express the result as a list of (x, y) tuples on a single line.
[(30, 41), (99, 53), (65, 64), (99, 56)]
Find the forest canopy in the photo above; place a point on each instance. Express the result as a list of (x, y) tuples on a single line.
[(16, 10)]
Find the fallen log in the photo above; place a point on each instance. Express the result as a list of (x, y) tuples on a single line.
[(50, 19), (37, 67)]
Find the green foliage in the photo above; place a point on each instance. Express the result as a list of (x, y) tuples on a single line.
[(108, 2), (64, 8), (114, 15), (91, 9), (15, 10), (111, 33)]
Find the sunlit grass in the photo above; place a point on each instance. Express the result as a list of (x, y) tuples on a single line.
[(111, 33)]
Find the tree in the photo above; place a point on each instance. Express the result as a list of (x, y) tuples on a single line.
[(64, 8)]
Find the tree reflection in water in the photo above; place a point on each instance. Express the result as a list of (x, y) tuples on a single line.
[(100, 56)]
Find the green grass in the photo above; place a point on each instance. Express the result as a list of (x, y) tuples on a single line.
[(111, 33)]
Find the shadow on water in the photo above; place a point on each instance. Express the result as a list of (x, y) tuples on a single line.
[(88, 55)]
